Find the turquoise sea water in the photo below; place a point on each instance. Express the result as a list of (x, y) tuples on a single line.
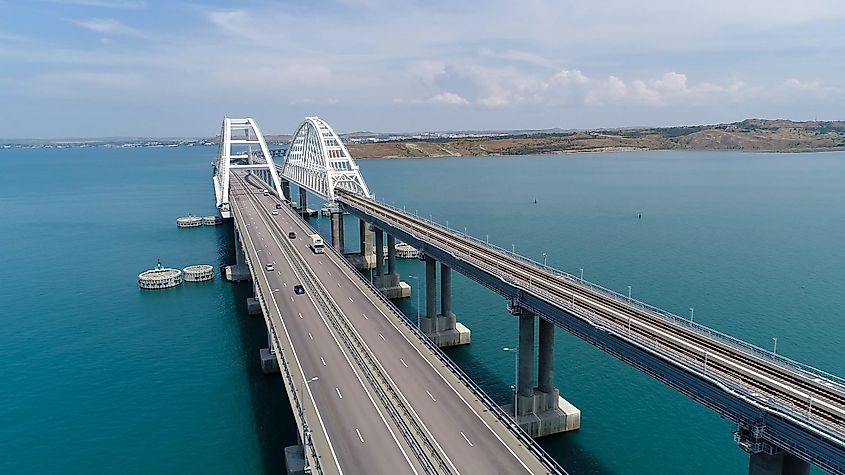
[(97, 376)]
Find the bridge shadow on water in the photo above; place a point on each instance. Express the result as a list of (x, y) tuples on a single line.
[(275, 426)]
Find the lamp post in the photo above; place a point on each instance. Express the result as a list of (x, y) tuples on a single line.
[(544, 260), (582, 274), (691, 314), (418, 298), (513, 248), (629, 293), (305, 382), (515, 375), (775, 350)]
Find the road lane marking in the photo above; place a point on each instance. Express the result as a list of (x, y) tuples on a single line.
[(338, 284), (323, 361), (338, 393), (403, 362), (350, 299), (382, 337), (365, 316), (275, 290), (330, 273), (310, 335), (286, 284), (291, 299), (359, 436), (300, 314), (432, 398), (465, 438)]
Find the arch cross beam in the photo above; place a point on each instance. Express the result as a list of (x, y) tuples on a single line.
[(242, 147), (318, 161)]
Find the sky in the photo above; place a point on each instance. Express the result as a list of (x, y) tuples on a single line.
[(105, 68)]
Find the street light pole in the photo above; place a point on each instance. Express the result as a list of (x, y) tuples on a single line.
[(515, 375), (691, 314), (582, 274), (775, 350), (418, 298), (544, 260), (629, 293)]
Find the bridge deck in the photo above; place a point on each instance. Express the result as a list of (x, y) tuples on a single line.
[(802, 409), (363, 438)]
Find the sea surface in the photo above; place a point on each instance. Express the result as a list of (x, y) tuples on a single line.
[(99, 376)]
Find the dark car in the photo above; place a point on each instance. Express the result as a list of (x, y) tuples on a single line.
[(278, 206), (292, 235), (298, 289)]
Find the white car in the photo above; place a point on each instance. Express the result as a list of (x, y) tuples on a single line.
[(269, 267), (274, 212)]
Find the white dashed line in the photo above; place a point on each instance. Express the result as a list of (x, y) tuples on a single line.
[(291, 299), (310, 335), (323, 361), (359, 436), (300, 315), (338, 284), (465, 438), (275, 290), (365, 316), (286, 284), (338, 393), (435, 400), (330, 273), (382, 337), (403, 362), (350, 299)]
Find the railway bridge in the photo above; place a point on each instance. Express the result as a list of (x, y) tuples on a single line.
[(788, 415)]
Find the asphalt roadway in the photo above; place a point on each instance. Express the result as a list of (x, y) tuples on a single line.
[(362, 438)]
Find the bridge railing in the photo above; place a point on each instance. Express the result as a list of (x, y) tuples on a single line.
[(729, 383), (701, 329), (479, 393), (285, 369)]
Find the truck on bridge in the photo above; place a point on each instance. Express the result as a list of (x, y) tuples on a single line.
[(316, 243)]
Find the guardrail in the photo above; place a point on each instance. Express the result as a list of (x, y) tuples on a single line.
[(701, 329), (285, 366), (794, 412)]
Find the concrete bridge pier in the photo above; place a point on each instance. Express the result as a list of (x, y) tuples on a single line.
[(239, 272), (364, 259), (303, 201), (780, 463), (267, 356), (443, 328), (253, 306), (337, 231), (540, 410), (389, 284), (286, 190)]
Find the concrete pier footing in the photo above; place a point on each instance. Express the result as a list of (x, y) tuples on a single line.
[(269, 363), (295, 460), (364, 259), (442, 328), (253, 307), (540, 410), (389, 284), (237, 273), (780, 463), (337, 232)]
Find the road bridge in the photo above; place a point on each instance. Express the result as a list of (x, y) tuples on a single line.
[(788, 415), (369, 394)]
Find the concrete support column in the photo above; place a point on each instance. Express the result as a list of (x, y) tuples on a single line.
[(303, 201), (391, 254), (545, 364), (337, 231), (379, 251), (780, 463), (366, 238), (286, 190), (430, 287), (446, 291), (525, 377), (239, 250)]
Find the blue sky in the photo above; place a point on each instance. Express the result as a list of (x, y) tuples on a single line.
[(95, 68)]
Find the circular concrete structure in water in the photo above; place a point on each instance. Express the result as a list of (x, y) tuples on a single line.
[(198, 273), (160, 278), (211, 220)]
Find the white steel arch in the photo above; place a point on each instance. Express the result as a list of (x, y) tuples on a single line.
[(318, 161), (238, 139)]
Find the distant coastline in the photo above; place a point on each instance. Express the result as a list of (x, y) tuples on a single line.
[(753, 135)]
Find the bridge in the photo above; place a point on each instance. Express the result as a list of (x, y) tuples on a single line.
[(787, 415)]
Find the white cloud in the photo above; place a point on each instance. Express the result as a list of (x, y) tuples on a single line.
[(107, 26), (448, 98)]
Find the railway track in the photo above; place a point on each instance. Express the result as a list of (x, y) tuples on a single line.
[(809, 395)]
